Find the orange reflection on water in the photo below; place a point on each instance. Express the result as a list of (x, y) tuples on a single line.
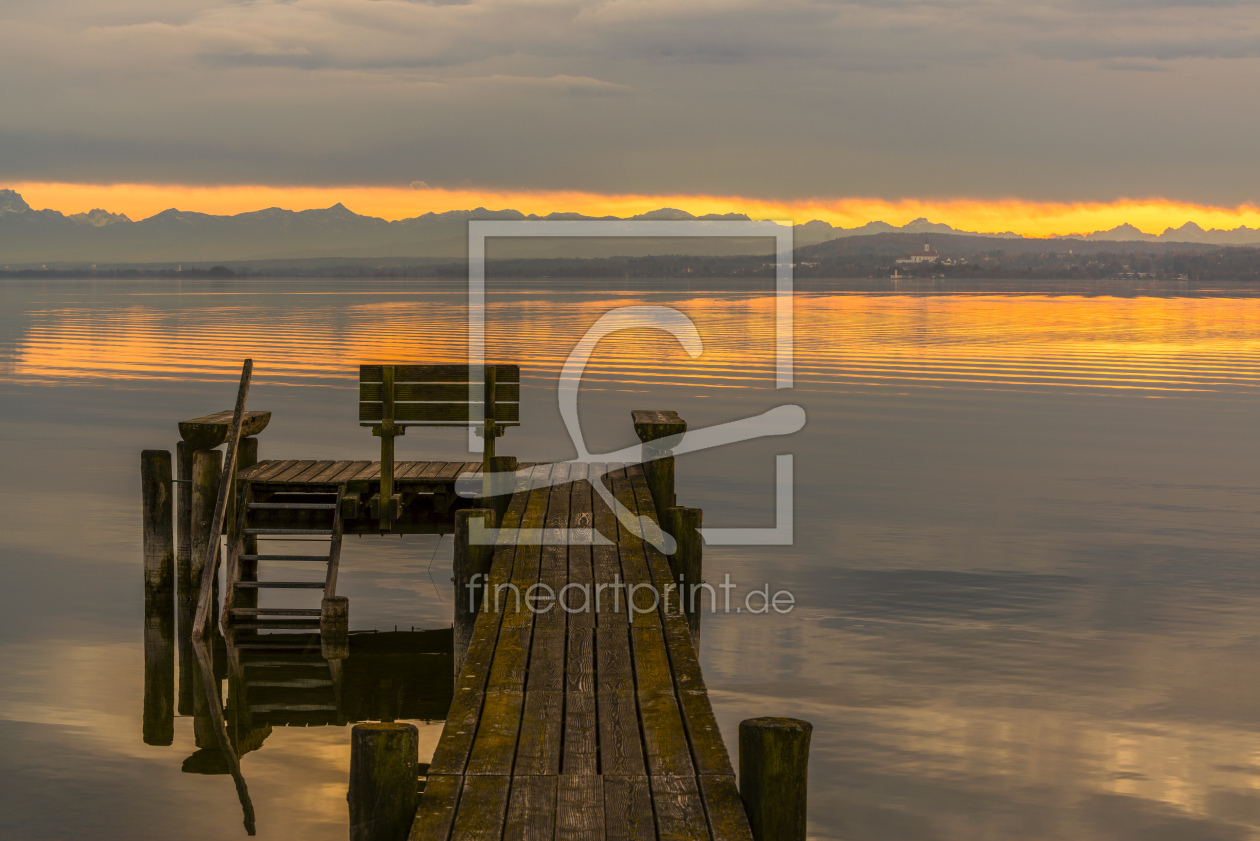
[(1033, 342)]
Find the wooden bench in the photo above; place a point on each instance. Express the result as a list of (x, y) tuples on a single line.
[(394, 397)]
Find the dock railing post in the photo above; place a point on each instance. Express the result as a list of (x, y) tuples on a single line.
[(207, 474), (384, 772), (687, 563), (470, 568), (660, 432), (773, 765), (503, 474), (159, 532)]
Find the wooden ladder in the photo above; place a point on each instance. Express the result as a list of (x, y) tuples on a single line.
[(311, 515)]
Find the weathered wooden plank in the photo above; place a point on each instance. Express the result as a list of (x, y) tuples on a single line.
[(664, 739), (727, 819), (542, 728), (580, 670), (620, 744), (494, 748), (531, 814), (581, 569), (292, 468), (482, 809), (262, 468), (580, 808), (628, 809), (581, 735), (679, 811), (651, 662), (436, 812), (708, 749), (453, 748), (634, 568), (373, 392), (439, 414), (351, 470), (450, 470), (511, 658), (438, 373), (553, 569), (546, 660), (609, 594), (614, 671), (332, 470)]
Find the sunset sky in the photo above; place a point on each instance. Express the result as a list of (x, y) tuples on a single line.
[(1040, 118)]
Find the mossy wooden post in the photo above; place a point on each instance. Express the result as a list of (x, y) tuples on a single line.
[(386, 430), (158, 526), (384, 772), (470, 568), (159, 669), (660, 432), (207, 476), (773, 764), (687, 561), (334, 628)]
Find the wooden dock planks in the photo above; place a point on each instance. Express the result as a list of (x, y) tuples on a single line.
[(573, 723)]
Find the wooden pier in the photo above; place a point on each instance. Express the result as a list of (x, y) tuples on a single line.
[(580, 724), (579, 710)]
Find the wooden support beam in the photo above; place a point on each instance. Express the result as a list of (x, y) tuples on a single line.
[(158, 525), (660, 432), (773, 778), (687, 562), (207, 474), (383, 773), (159, 670), (334, 628)]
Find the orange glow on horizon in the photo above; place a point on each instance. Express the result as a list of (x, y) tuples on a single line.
[(1030, 218)]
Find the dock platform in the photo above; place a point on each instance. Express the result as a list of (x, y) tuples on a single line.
[(580, 723)]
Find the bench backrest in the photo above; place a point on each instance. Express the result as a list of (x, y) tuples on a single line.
[(438, 395)]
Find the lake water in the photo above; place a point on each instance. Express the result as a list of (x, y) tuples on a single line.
[(1024, 562)]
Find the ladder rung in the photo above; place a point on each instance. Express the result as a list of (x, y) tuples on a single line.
[(283, 557), (295, 683), (276, 611), (287, 531), (290, 708), (301, 506), (281, 585), (294, 624)]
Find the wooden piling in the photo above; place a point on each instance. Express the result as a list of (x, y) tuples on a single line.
[(470, 568), (660, 432), (183, 547), (687, 562), (159, 669), (384, 772), (773, 765), (207, 474), (158, 526), (334, 628)]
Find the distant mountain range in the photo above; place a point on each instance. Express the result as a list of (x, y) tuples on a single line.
[(45, 236)]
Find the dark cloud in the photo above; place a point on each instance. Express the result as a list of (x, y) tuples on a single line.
[(793, 98)]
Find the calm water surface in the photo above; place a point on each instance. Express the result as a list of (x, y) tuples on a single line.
[(1025, 539)]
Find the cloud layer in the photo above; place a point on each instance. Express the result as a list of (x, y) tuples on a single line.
[(787, 99)]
